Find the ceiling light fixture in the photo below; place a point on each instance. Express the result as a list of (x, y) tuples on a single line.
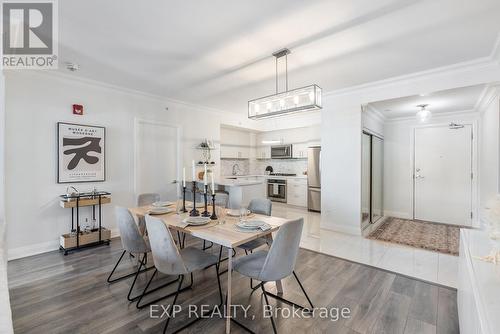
[(290, 101), (423, 115)]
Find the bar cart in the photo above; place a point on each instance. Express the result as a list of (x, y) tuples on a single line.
[(97, 236)]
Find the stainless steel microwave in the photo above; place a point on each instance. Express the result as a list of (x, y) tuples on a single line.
[(281, 152)]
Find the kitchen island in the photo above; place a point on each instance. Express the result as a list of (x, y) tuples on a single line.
[(242, 189)]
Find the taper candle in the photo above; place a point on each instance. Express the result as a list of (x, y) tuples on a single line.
[(213, 184), (184, 176), (205, 177), (194, 172)]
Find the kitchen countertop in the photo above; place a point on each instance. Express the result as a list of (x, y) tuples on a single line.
[(239, 180)]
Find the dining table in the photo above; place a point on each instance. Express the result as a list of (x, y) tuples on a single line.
[(224, 233)]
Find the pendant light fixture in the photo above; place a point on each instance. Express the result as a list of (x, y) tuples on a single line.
[(423, 115), (287, 102)]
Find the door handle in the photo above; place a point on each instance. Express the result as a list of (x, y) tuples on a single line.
[(418, 176)]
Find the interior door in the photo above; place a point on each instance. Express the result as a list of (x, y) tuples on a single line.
[(156, 159), (443, 174)]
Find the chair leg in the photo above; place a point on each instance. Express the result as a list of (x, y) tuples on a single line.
[(269, 294), (116, 265), (109, 280), (267, 304), (145, 292), (173, 303), (303, 290), (142, 263), (182, 240), (204, 245)]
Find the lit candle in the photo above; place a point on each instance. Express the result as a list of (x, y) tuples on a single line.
[(213, 184), (194, 172), (205, 180), (184, 176)]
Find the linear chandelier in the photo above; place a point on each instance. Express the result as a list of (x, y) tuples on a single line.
[(306, 98)]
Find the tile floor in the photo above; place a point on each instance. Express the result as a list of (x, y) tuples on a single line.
[(422, 264)]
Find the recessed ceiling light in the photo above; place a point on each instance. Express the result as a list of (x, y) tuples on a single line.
[(423, 94), (73, 67)]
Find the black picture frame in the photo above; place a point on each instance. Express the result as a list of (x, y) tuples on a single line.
[(60, 174)]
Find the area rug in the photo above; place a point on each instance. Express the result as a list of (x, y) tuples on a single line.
[(430, 236)]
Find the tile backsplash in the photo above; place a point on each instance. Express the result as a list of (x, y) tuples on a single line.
[(258, 167), (226, 166), (294, 166)]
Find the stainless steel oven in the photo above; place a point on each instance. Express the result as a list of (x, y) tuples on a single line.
[(281, 152), (276, 190)]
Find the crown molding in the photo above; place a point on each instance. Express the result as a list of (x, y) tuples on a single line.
[(121, 89), (488, 95), (371, 111)]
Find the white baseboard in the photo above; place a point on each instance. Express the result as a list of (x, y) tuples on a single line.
[(43, 247), (396, 214)]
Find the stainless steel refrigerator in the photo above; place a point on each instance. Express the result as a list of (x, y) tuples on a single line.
[(314, 178)]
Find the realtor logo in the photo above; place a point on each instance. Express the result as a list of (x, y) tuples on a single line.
[(29, 34)]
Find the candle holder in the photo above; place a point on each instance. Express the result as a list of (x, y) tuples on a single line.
[(213, 216), (184, 199), (205, 195), (194, 212)]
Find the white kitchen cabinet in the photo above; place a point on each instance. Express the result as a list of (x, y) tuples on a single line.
[(296, 192), (299, 151), (264, 152), (234, 152)]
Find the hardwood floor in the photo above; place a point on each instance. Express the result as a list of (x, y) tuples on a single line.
[(52, 293)]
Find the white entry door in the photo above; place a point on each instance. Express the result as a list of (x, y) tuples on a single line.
[(156, 158), (443, 174)]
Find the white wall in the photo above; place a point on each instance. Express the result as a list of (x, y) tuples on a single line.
[(341, 167), (398, 162), (35, 102), (489, 146)]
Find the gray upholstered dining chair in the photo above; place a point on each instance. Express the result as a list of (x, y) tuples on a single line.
[(262, 206), (147, 199), (132, 242), (169, 260), (143, 200), (277, 263)]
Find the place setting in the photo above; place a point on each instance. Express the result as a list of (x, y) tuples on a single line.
[(161, 208), (198, 221)]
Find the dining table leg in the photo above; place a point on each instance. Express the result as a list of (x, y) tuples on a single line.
[(228, 300)]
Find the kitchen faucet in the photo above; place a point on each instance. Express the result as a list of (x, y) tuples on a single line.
[(236, 169)]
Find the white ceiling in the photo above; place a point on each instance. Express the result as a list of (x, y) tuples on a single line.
[(218, 53), (446, 101)]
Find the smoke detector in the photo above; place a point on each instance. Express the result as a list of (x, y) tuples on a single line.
[(73, 67)]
